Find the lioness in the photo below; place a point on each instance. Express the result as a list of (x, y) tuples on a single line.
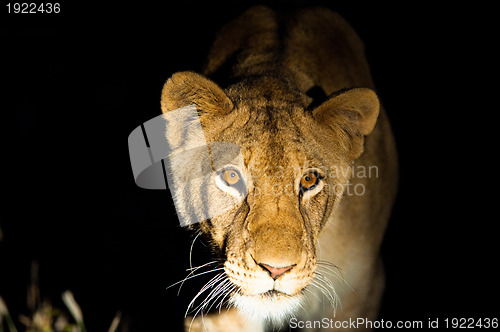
[(319, 171)]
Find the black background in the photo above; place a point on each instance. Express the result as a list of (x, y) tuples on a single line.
[(77, 83)]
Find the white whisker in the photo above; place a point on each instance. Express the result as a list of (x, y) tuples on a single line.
[(229, 291), (325, 269), (215, 292), (325, 291), (203, 265), (308, 292), (190, 276), (327, 288), (191, 249), (223, 291), (208, 285)]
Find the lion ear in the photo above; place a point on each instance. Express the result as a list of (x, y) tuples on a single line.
[(354, 110), (187, 88)]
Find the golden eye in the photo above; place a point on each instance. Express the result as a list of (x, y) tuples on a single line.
[(230, 177), (309, 181)]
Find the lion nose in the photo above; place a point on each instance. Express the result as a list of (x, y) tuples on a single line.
[(275, 272)]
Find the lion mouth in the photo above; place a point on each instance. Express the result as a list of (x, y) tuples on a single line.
[(273, 305), (270, 295), (273, 293)]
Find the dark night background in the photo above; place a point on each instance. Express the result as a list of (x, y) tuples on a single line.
[(76, 84)]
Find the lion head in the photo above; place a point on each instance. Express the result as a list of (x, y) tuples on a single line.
[(286, 185)]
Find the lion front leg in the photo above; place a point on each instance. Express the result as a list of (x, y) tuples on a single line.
[(226, 320)]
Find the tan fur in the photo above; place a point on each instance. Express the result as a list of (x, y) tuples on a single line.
[(266, 112)]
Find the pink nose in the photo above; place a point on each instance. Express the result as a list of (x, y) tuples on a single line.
[(275, 272)]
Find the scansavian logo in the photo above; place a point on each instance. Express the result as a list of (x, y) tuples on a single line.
[(171, 150)]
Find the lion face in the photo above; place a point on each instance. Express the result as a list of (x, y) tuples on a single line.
[(293, 171)]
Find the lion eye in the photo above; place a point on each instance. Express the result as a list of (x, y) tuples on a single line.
[(309, 181), (230, 177)]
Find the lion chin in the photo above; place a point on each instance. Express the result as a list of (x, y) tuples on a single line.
[(273, 306)]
